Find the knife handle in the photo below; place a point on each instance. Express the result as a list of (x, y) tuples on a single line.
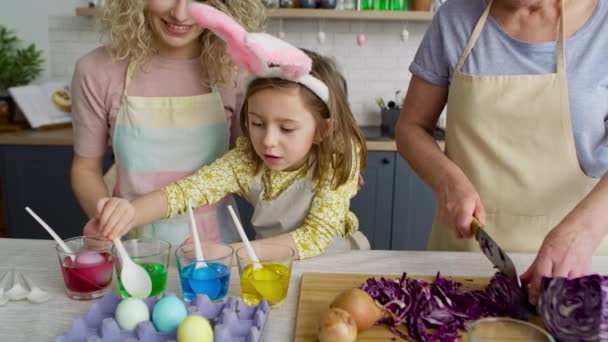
[(475, 227)]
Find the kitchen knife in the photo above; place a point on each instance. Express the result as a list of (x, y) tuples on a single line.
[(501, 260), (493, 252)]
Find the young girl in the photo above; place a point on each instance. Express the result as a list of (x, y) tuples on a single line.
[(160, 84), (297, 163)]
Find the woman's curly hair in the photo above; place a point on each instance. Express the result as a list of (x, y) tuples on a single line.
[(128, 34)]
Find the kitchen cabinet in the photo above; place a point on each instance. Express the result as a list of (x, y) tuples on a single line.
[(395, 207), (413, 209), (38, 176), (373, 204)]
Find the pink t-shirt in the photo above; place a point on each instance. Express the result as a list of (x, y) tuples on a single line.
[(97, 89)]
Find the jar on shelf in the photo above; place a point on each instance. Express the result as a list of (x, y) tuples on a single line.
[(349, 5), (308, 3), (287, 3), (271, 3), (422, 5), (398, 5), (328, 4)]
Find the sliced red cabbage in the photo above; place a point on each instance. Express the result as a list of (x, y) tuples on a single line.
[(575, 309), (437, 310)]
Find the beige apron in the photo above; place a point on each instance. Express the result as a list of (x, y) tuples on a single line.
[(512, 137), (287, 212)]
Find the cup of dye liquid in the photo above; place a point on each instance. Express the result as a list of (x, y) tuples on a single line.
[(271, 281), (153, 256), (210, 276), (87, 271)]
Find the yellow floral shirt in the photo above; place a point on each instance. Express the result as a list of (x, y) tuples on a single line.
[(329, 214)]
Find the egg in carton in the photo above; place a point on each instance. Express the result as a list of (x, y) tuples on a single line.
[(232, 321)]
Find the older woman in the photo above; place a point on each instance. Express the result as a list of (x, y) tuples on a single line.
[(526, 136)]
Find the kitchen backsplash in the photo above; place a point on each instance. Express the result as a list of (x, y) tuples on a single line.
[(379, 68)]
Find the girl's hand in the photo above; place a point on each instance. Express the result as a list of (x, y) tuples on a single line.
[(458, 202), (188, 245), (116, 217), (565, 252), (92, 229)]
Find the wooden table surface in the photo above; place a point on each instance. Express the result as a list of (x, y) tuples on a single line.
[(23, 321)]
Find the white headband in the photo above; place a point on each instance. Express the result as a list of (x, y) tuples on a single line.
[(309, 81)]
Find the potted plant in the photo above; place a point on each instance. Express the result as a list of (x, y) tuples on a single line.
[(18, 66)]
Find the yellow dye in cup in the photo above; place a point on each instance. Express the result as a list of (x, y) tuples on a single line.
[(270, 282)]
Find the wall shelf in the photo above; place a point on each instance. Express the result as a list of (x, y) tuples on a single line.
[(305, 13)]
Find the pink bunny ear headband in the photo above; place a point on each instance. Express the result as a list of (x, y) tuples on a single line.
[(261, 54)]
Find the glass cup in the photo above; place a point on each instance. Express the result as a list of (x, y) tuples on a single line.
[(87, 271), (210, 276), (271, 281), (499, 329), (153, 256)]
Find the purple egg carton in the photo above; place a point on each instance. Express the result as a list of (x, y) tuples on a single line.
[(232, 321)]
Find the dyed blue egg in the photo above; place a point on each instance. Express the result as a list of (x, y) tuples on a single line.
[(168, 313)]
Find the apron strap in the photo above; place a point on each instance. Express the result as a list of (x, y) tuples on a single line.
[(476, 31), (128, 76), (561, 44)]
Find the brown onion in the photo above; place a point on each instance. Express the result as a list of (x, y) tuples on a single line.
[(336, 325), (361, 307)]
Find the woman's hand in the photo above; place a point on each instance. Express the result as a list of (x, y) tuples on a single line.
[(116, 217), (458, 202), (565, 252)]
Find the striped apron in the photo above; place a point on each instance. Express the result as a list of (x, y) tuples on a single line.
[(158, 140)]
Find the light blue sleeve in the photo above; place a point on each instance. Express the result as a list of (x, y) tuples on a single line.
[(445, 40)]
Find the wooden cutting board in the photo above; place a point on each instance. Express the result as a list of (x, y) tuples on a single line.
[(317, 290)]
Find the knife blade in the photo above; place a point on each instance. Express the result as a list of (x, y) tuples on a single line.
[(493, 252), (501, 260)]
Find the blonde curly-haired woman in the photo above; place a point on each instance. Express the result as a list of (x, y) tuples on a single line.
[(163, 92)]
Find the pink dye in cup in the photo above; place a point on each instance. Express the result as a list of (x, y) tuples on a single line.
[(89, 272)]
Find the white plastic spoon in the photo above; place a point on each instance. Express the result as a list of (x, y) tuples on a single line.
[(198, 251), (3, 283), (239, 228), (134, 278), (52, 233), (83, 258), (17, 292), (36, 295)]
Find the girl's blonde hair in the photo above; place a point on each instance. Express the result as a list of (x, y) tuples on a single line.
[(343, 142), (128, 34)]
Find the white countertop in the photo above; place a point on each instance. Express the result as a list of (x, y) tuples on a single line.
[(23, 321)]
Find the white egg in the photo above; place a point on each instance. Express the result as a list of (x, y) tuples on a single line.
[(130, 312), (321, 37), (405, 34), (89, 258)]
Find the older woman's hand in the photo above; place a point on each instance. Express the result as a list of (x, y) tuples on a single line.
[(565, 252), (458, 202)]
